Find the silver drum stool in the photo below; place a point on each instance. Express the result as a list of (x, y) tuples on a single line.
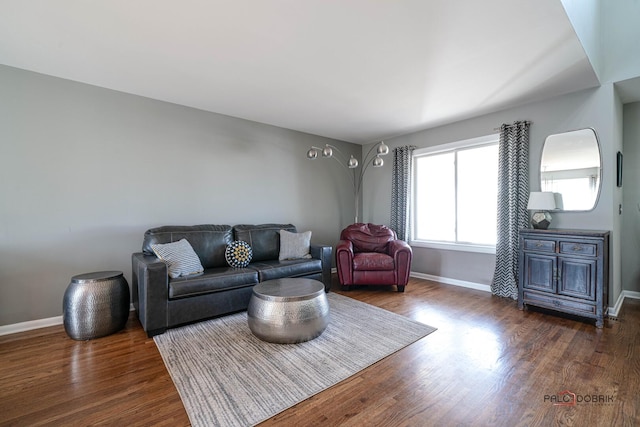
[(288, 311), (95, 305)]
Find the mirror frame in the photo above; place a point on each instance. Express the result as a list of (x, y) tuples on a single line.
[(597, 199)]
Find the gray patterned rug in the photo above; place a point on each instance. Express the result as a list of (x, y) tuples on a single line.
[(228, 377)]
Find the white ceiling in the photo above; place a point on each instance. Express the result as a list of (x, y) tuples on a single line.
[(354, 70)]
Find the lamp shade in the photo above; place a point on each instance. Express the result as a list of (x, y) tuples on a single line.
[(541, 201), (383, 149), (312, 154)]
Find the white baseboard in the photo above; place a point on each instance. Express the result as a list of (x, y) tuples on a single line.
[(54, 321), (28, 326), (615, 310), (612, 311), (446, 281), (35, 324), (449, 281)]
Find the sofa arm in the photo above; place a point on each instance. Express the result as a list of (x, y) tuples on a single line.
[(402, 254), (344, 262), (150, 287), (323, 253)]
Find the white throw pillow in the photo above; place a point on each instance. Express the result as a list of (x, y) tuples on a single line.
[(294, 245), (180, 257)]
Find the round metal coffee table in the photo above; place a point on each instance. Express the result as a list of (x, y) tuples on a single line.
[(288, 311)]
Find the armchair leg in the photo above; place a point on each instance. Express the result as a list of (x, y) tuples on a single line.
[(344, 287), (400, 288)]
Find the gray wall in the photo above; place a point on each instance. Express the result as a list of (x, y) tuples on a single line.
[(598, 108), (608, 31), (84, 171), (631, 199), (619, 33)]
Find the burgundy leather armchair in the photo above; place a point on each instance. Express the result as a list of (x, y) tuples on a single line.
[(370, 254)]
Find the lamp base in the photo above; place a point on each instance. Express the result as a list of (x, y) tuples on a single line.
[(541, 220)]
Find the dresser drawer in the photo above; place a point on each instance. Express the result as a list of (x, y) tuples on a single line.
[(578, 248), (550, 301), (539, 245)]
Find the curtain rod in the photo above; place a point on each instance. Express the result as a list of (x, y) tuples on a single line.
[(526, 121)]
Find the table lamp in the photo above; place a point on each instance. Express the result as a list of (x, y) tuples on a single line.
[(541, 202)]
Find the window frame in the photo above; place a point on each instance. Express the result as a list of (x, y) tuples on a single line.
[(477, 142)]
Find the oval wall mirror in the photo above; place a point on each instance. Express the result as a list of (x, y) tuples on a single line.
[(570, 167)]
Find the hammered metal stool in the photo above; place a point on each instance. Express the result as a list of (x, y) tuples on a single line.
[(288, 311), (95, 305)]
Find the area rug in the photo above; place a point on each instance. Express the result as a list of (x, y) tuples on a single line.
[(228, 377)]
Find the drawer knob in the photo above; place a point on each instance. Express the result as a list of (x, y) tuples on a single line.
[(538, 244), (577, 248), (556, 303)]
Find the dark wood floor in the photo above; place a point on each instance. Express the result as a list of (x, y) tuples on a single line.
[(487, 364)]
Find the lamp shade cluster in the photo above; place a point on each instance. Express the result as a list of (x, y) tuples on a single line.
[(371, 159), (328, 152)]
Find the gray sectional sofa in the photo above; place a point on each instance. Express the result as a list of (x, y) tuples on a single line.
[(163, 302)]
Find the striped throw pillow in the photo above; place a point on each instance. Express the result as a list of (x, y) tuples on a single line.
[(180, 257)]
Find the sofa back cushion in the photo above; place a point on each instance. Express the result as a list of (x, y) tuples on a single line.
[(264, 239), (368, 237), (208, 241)]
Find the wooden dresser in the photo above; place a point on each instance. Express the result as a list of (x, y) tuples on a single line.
[(565, 271)]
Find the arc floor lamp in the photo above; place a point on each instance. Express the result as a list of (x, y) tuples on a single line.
[(351, 164)]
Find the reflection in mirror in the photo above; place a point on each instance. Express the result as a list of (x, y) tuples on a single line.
[(570, 167)]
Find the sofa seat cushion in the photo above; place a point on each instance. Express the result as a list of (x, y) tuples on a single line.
[(212, 280), (274, 269), (372, 261)]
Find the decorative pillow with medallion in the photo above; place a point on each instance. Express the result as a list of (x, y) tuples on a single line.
[(238, 254)]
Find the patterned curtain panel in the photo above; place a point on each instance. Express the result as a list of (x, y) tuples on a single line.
[(401, 191), (513, 195)]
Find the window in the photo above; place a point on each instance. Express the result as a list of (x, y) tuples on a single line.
[(455, 194), (578, 187)]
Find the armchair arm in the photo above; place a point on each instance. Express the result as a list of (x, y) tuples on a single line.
[(402, 254), (323, 253), (150, 288), (344, 262)]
